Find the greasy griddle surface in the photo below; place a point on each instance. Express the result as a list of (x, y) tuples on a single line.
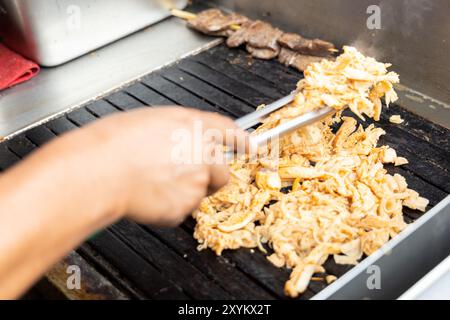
[(147, 262)]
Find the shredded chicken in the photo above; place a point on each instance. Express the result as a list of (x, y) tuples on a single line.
[(330, 278), (396, 119), (342, 203)]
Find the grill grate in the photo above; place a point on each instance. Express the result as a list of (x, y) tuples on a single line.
[(164, 263)]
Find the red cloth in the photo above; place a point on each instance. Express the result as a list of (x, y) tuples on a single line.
[(15, 69)]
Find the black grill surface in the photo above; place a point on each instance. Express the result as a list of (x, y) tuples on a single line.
[(156, 263)]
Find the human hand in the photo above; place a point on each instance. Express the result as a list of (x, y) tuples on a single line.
[(158, 185)]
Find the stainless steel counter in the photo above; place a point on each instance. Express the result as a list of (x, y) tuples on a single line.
[(66, 87)]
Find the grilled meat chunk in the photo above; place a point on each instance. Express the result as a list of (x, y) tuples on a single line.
[(240, 36), (265, 54), (215, 23), (264, 36), (299, 61), (315, 47), (261, 39)]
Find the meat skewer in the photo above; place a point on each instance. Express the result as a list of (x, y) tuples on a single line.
[(314, 47), (262, 40), (260, 37)]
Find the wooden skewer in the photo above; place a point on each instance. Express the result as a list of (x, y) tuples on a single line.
[(185, 15), (235, 27)]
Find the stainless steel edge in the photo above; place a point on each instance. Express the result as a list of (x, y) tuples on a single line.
[(424, 243), (435, 285)]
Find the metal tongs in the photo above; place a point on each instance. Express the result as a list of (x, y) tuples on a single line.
[(252, 119)]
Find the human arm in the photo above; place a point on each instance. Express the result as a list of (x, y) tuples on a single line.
[(116, 167)]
